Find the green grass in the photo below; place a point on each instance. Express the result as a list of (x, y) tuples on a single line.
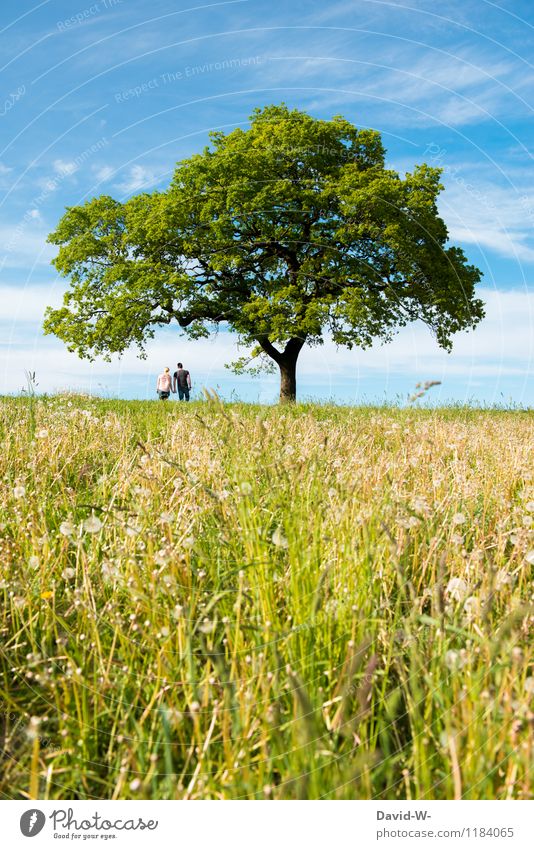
[(230, 601)]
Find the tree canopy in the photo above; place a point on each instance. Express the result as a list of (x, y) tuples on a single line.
[(287, 232)]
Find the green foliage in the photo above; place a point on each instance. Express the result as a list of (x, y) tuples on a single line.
[(289, 230)]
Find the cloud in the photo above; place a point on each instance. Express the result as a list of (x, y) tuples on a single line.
[(138, 177), (502, 347), (103, 173), (25, 303), (25, 245), (64, 167), (499, 218), (415, 82)]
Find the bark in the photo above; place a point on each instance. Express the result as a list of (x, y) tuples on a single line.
[(288, 381), (287, 363)]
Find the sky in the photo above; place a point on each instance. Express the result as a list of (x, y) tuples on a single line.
[(105, 98)]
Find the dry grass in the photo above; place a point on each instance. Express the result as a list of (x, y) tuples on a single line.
[(208, 601)]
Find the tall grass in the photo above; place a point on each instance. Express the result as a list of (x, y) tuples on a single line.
[(228, 601)]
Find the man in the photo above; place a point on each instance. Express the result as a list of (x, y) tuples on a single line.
[(164, 384), (182, 382)]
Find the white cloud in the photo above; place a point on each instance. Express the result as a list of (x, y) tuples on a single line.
[(414, 82), (25, 245), (103, 173), (27, 302), (481, 212), (502, 348), (138, 177), (64, 167)]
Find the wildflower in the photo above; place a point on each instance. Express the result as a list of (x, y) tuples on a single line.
[(132, 530), (471, 608), (455, 659), (109, 571), (166, 518), (421, 505), (33, 729), (410, 522), (161, 557), (68, 573), (529, 557), (92, 525), (245, 488), (457, 539), (529, 686), (458, 519), (457, 589), (67, 529), (279, 539), (42, 434), (502, 579), (529, 506), (135, 785), (33, 562), (19, 491), (46, 595), (188, 542)]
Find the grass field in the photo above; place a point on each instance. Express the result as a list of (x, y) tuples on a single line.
[(228, 601)]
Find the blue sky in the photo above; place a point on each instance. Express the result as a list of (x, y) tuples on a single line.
[(105, 97)]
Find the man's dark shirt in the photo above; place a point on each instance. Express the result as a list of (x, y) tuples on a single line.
[(181, 378)]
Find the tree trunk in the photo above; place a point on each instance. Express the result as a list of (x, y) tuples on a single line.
[(287, 363), (288, 380)]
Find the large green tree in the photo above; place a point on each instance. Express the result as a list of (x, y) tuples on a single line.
[(286, 232)]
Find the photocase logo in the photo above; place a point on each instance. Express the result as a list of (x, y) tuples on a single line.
[(32, 822)]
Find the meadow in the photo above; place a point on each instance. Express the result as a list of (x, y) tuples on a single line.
[(214, 601)]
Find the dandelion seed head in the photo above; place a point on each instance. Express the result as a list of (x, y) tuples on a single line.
[(67, 529), (457, 589), (503, 579), (471, 607), (279, 539), (92, 525)]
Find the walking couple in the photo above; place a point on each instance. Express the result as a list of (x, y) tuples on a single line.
[(180, 381)]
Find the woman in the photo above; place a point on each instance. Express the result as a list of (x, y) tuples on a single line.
[(164, 385)]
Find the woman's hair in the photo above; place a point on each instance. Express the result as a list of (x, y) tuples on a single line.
[(167, 368)]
